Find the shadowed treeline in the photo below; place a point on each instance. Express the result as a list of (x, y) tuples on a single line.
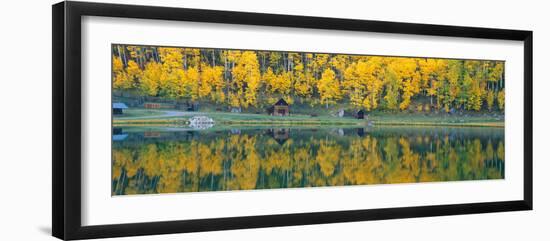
[(243, 159)]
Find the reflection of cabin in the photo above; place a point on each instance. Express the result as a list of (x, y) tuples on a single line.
[(281, 108), (118, 107), (117, 130), (280, 135), (360, 114), (151, 134), (361, 132), (118, 135)]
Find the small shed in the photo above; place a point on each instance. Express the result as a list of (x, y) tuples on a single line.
[(360, 114), (118, 107), (280, 108), (156, 105)]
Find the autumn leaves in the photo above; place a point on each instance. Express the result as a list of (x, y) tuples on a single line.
[(244, 79)]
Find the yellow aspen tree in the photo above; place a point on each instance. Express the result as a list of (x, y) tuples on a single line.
[(474, 93), (247, 78), (475, 97), (408, 79), (329, 88), (205, 85), (302, 88), (120, 78), (339, 62), (281, 83), (309, 78), (465, 91), (230, 59), (269, 78), (320, 62), (432, 71), (192, 57), (134, 73), (191, 84), (137, 55), (172, 72), (151, 78), (500, 99), (293, 59), (213, 83), (496, 75), (274, 59), (391, 84), (451, 87), (353, 87), (371, 74)]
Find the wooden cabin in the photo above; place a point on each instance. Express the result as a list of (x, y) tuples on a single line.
[(187, 106), (150, 105), (280, 108), (154, 105), (360, 114), (118, 107)]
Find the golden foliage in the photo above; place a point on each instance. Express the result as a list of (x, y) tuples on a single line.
[(254, 78)]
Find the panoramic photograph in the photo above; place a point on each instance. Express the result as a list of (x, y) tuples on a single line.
[(190, 119)]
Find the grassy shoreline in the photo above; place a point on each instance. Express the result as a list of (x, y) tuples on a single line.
[(249, 119), (158, 123)]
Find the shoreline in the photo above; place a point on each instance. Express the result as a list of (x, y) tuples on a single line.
[(171, 118), (183, 122)]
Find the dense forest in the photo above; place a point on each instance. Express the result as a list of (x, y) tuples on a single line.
[(244, 79)]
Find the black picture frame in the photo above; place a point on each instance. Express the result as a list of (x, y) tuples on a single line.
[(66, 128)]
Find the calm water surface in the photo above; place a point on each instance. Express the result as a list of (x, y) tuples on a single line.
[(175, 160)]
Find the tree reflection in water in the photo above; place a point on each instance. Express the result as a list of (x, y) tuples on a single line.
[(206, 160)]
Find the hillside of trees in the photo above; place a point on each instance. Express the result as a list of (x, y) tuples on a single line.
[(245, 79)]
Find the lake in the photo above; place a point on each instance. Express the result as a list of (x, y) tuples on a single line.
[(164, 160)]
